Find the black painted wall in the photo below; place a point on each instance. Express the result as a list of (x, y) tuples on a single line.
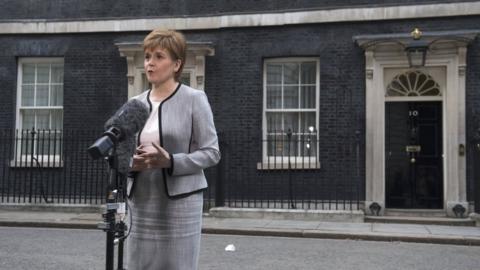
[(74, 9), (95, 86)]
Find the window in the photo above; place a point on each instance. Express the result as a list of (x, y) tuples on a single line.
[(186, 77), (39, 107), (290, 112), (145, 83)]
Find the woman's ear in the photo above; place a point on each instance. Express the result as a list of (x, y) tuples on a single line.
[(178, 64)]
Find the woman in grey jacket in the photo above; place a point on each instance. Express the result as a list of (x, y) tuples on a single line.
[(178, 141)]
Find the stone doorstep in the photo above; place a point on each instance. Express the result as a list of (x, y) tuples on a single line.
[(476, 218), (289, 214), (421, 220)]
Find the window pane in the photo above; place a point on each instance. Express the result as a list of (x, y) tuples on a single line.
[(274, 122), (56, 142), (307, 97), (57, 73), (274, 97), (185, 78), (309, 146), (27, 95), (292, 148), (43, 119), (42, 143), (290, 97), (274, 74), (308, 122), (290, 121), (28, 119), (43, 73), (50, 142), (308, 139), (309, 73), (42, 95), (275, 145), (25, 144), (28, 75), (57, 119), (290, 73), (56, 95)]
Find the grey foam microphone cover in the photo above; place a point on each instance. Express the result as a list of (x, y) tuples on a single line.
[(129, 119)]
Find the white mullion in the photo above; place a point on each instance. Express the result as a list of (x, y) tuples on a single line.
[(265, 145), (19, 96), (317, 109), (298, 132), (49, 84), (282, 86), (282, 100), (299, 82), (35, 97), (299, 114), (35, 89)]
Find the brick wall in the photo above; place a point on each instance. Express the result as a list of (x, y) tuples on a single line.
[(74, 9), (95, 86)]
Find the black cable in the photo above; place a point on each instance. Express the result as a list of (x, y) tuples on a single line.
[(42, 190)]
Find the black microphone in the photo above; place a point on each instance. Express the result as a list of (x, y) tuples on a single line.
[(120, 130)]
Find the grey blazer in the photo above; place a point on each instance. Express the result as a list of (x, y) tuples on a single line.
[(187, 132)]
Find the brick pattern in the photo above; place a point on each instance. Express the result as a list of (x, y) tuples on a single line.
[(95, 86), (75, 9)]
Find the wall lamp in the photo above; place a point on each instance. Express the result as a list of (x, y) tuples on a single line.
[(417, 49)]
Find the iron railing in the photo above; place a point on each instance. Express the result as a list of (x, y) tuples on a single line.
[(50, 166), (269, 173), (282, 170)]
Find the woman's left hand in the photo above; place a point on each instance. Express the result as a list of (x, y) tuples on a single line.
[(147, 157)]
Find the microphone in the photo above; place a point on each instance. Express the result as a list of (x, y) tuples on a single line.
[(121, 129)]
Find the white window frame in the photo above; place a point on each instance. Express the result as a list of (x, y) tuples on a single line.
[(26, 160), (296, 162), (191, 74)]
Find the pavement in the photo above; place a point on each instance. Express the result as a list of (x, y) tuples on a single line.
[(373, 231)]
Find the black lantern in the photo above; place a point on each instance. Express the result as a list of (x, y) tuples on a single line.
[(417, 49)]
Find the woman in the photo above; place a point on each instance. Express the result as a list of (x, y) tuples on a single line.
[(178, 141)]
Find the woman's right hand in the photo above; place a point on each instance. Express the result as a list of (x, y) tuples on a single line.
[(150, 157)]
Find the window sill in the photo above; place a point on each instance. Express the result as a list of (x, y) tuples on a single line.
[(264, 166), (32, 164)]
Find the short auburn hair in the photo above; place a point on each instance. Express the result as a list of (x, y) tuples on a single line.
[(171, 41)]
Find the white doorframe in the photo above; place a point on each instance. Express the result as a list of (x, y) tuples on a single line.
[(195, 61), (453, 58)]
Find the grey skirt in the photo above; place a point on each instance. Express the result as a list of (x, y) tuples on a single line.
[(165, 232)]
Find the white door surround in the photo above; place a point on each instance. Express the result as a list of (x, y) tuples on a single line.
[(194, 64), (447, 52)]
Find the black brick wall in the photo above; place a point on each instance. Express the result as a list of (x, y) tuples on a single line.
[(94, 74), (74, 9), (95, 86)]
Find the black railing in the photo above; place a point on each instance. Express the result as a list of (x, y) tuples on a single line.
[(281, 170), (52, 166)]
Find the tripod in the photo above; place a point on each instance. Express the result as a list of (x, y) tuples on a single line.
[(115, 204)]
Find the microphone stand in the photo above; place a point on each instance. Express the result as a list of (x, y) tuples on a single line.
[(115, 204)]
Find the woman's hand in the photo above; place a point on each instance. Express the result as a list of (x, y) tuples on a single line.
[(150, 157)]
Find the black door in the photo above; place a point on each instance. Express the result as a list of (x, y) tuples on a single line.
[(414, 165)]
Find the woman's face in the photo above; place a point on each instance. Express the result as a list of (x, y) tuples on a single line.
[(159, 65)]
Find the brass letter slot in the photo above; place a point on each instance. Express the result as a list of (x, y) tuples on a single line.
[(413, 148)]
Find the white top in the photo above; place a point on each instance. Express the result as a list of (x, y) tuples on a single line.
[(150, 132)]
